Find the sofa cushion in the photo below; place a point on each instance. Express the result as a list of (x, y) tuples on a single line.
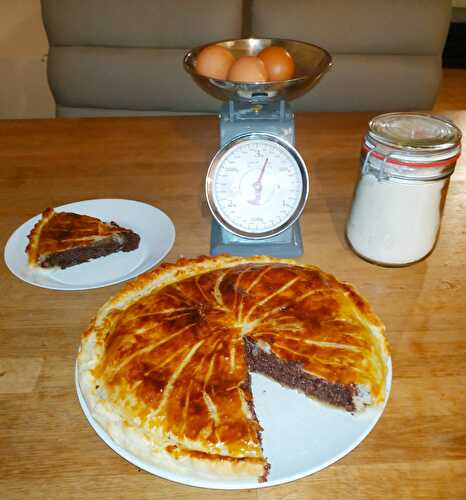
[(123, 78), (356, 26), (375, 83), (141, 23), (396, 82), (71, 112)]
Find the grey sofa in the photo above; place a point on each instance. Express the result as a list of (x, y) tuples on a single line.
[(120, 57)]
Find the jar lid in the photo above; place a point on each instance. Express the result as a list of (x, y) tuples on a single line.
[(415, 132), (413, 145)]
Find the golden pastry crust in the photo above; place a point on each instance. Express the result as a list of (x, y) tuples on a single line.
[(58, 232), (163, 367)]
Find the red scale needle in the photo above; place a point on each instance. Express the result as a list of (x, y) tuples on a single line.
[(257, 185)]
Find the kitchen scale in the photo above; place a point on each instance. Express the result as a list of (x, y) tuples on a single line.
[(257, 183)]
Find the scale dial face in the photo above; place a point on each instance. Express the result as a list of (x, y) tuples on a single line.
[(257, 185)]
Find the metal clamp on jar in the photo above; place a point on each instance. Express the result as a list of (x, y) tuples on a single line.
[(406, 163)]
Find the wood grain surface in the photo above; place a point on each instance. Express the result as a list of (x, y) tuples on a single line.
[(47, 448)]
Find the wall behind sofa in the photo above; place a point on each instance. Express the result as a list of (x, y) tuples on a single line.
[(24, 91)]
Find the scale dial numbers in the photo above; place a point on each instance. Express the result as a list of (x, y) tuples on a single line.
[(257, 185)]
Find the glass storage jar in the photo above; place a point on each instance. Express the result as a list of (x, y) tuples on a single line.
[(406, 163)]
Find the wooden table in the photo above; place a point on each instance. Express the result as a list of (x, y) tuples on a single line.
[(47, 448)]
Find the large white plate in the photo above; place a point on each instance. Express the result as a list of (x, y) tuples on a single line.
[(300, 436), (155, 228)]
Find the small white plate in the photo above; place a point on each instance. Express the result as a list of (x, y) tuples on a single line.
[(301, 436), (155, 228)]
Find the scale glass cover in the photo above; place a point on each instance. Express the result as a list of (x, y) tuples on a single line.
[(257, 186)]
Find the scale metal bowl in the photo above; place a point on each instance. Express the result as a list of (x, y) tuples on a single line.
[(311, 63)]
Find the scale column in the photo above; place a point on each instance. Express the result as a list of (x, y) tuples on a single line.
[(238, 117)]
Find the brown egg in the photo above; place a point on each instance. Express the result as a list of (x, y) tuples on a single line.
[(279, 63), (214, 61), (248, 69)]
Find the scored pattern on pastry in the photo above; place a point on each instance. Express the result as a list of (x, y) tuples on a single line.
[(173, 360), (64, 239)]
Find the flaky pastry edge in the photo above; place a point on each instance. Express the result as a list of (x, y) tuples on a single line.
[(134, 439), (32, 247)]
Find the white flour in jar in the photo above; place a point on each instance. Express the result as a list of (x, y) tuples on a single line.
[(395, 221)]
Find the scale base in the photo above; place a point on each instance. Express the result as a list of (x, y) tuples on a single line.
[(286, 244)]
